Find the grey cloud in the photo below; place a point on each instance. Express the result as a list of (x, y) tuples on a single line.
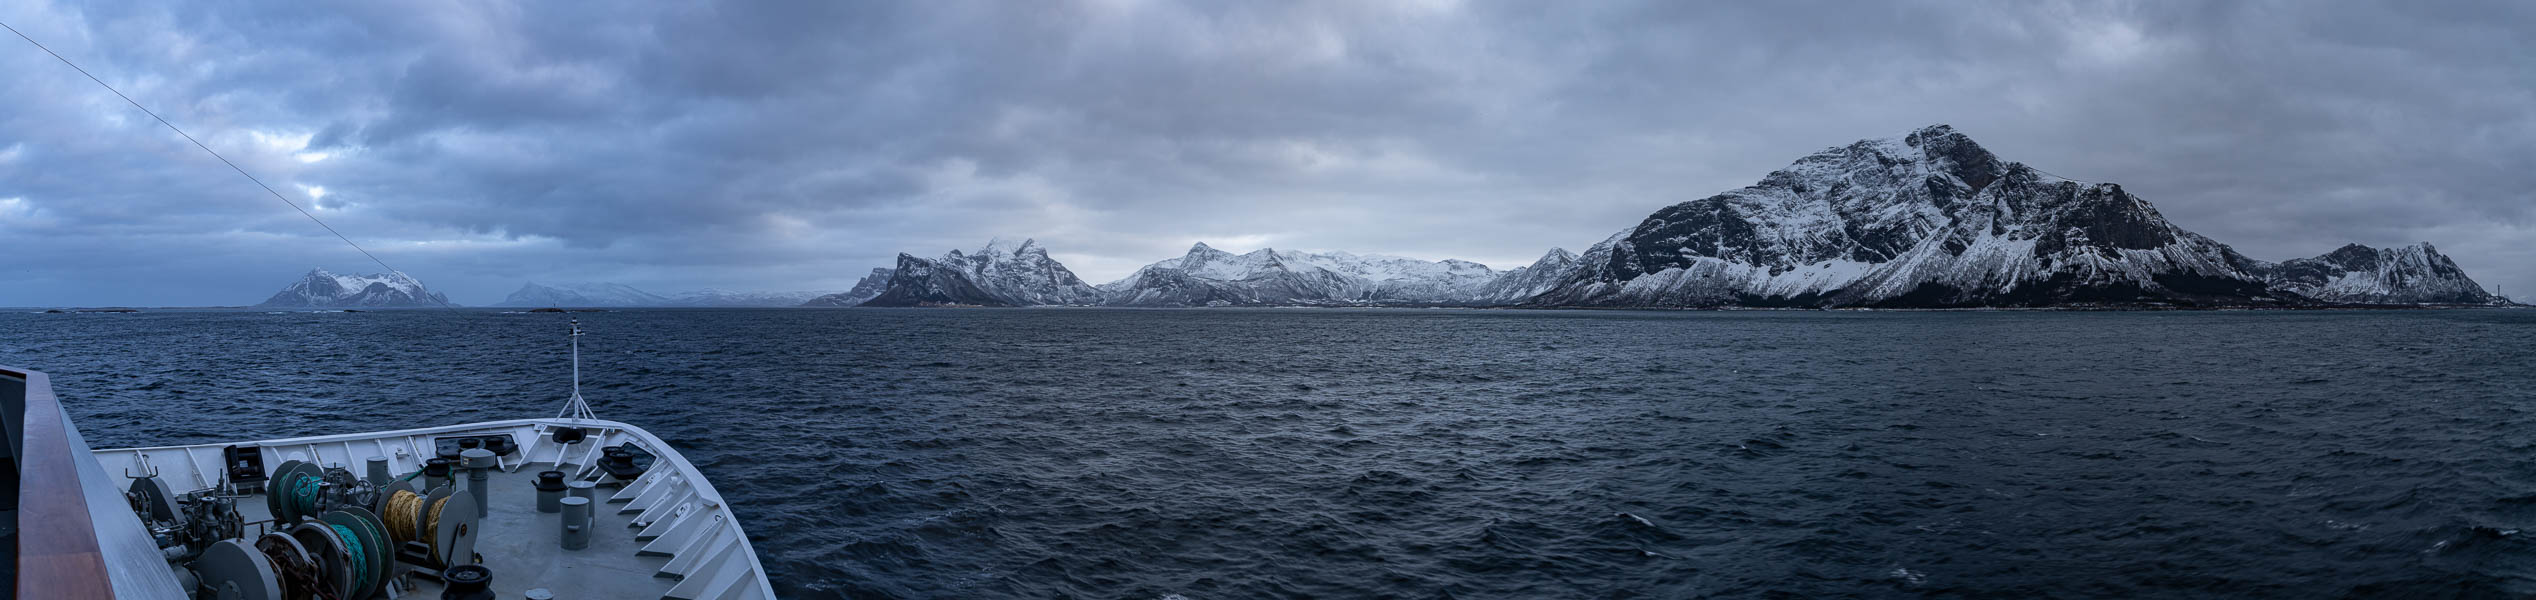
[(793, 145)]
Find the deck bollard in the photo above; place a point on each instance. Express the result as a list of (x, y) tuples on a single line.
[(550, 491), (576, 523), (378, 471), (477, 461), (436, 473)]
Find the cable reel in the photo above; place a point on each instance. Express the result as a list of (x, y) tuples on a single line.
[(297, 491), (295, 571), (231, 569), (373, 556), (443, 520), (331, 555)]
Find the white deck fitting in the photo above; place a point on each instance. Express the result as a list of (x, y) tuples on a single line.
[(669, 524)]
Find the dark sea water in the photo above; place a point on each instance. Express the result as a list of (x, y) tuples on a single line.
[(1462, 454)]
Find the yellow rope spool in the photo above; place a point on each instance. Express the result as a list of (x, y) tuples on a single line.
[(402, 507), (431, 526)]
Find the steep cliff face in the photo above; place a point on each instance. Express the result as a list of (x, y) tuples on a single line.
[(1000, 274), (320, 289), (2356, 274), (1929, 219), (1209, 277)]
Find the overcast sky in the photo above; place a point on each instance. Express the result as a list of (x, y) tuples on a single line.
[(796, 145)]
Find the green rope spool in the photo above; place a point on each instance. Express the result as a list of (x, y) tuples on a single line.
[(360, 561), (304, 495)]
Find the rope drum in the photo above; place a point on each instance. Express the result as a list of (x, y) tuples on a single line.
[(361, 576), (297, 571), (431, 523), (304, 493), (403, 510), (402, 507)]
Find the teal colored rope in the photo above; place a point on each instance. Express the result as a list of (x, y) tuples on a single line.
[(304, 496), (360, 563)]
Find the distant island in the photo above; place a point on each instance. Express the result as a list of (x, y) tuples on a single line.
[(321, 289), (1929, 219), (613, 295)]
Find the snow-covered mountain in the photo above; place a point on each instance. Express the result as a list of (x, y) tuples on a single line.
[(1523, 283), (1209, 277), (619, 295), (1928, 219), (730, 299), (1001, 274), (864, 290), (320, 289), (2356, 274), (533, 294)]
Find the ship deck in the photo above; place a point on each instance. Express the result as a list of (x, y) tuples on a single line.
[(665, 535), (525, 550)]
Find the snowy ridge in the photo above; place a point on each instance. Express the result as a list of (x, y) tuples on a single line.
[(709, 297), (1929, 219), (616, 295), (1522, 283), (533, 294), (1001, 274), (1206, 276), (320, 289), (2356, 274)]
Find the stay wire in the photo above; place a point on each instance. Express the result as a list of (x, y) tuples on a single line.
[(312, 217)]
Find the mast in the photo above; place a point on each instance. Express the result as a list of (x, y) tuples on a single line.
[(576, 408), (576, 360)]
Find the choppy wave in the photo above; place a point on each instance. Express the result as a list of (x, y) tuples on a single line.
[(1464, 454)]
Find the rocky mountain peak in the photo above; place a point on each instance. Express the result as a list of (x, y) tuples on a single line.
[(323, 289), (1000, 247), (1928, 218), (1946, 151), (2358, 274), (1000, 274)]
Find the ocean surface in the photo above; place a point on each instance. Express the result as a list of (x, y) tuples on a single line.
[(1291, 453)]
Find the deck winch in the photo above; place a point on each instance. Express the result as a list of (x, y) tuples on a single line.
[(184, 526), (396, 515), (332, 536), (301, 490)]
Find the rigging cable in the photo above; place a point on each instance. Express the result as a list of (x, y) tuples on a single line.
[(347, 240)]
